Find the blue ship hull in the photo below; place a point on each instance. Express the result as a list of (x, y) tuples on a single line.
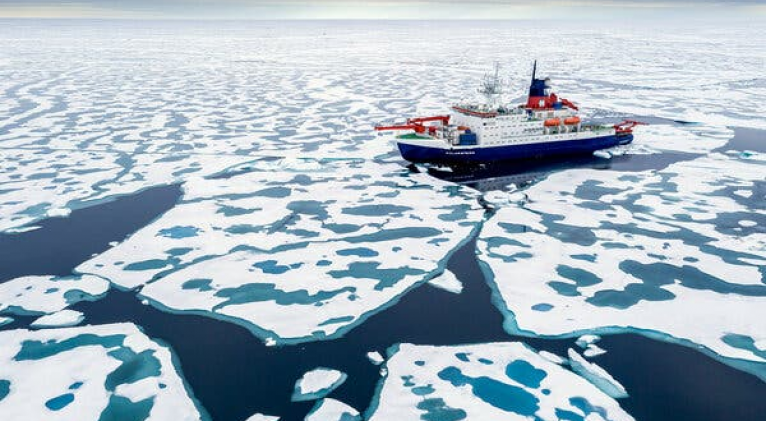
[(415, 153)]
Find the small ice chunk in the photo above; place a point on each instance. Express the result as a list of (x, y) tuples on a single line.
[(596, 375), (262, 417), (448, 282), (383, 372), (602, 154), (585, 340), (20, 230), (329, 409), (747, 223), (5, 320), (59, 319), (593, 350), (317, 383), (113, 243), (375, 357), (59, 212), (552, 357), (270, 341), (502, 198)]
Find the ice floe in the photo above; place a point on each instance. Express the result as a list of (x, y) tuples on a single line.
[(596, 375), (262, 417), (448, 282), (48, 294), (593, 350), (332, 410), (328, 247), (659, 252), (552, 357), (602, 154), (485, 382), (89, 373), (59, 319), (585, 340), (374, 357), (317, 383)]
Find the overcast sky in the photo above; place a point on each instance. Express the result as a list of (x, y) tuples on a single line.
[(382, 9)]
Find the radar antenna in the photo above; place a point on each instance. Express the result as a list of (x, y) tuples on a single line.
[(492, 87)]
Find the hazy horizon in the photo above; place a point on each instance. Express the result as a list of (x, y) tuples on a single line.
[(384, 10)]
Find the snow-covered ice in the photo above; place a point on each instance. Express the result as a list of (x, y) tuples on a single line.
[(317, 383), (659, 252), (49, 294), (375, 357), (448, 282), (569, 256), (602, 154), (250, 247), (88, 373), (59, 319), (492, 381), (329, 409), (585, 340), (593, 350), (596, 375), (262, 417)]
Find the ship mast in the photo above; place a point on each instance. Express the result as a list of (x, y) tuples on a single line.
[(492, 87)]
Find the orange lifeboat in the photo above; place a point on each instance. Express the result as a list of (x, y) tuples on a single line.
[(569, 121), (552, 122)]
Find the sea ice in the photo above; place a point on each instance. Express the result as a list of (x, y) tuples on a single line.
[(48, 294), (593, 350), (317, 383), (552, 357), (657, 252), (59, 319), (585, 340), (59, 212), (602, 154), (250, 247), (596, 375), (262, 417), (88, 373), (373, 356), (448, 282), (332, 410), (494, 381)]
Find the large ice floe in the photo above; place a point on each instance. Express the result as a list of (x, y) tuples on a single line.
[(670, 253), (48, 294), (105, 372), (494, 381), (327, 246)]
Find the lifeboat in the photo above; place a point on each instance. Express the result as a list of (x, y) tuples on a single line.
[(569, 121), (552, 122)]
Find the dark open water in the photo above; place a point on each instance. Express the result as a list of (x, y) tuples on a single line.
[(234, 375)]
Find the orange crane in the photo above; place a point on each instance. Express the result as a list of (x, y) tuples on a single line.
[(627, 126), (417, 125)]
